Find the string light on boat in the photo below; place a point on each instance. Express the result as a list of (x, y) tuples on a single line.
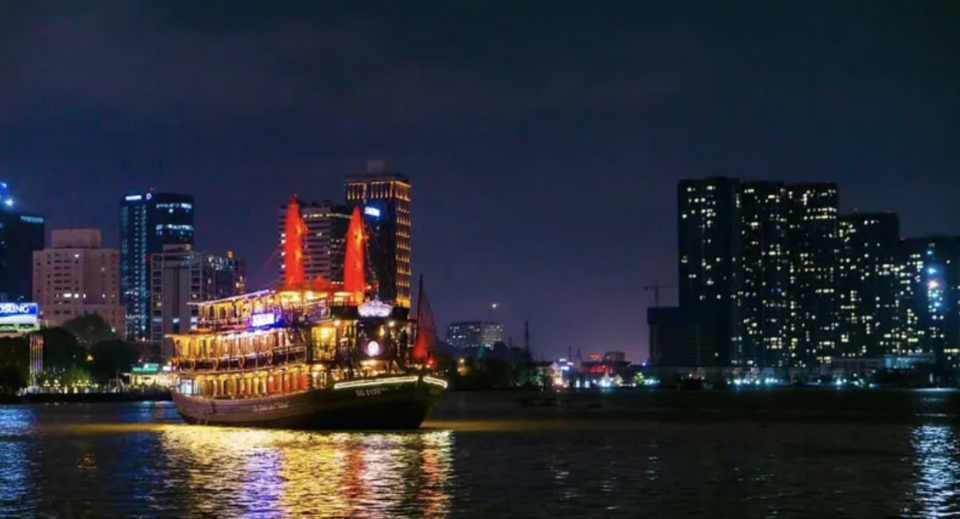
[(435, 381), (376, 382)]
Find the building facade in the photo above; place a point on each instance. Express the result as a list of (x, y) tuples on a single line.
[(813, 235), (709, 253), (474, 334), (868, 285), (325, 241), (763, 304), (759, 257), (181, 276), (20, 235), (76, 276), (931, 293), (148, 222), (682, 337), (386, 198)]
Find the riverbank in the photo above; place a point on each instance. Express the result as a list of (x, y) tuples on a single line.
[(759, 405)]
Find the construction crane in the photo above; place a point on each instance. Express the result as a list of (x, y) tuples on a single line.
[(656, 287)]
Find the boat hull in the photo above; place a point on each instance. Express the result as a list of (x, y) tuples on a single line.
[(369, 404)]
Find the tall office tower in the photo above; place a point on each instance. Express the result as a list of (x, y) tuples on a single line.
[(763, 300), (932, 299), (385, 195), (75, 276), (868, 284), (709, 252), (180, 276), (325, 241), (813, 237), (20, 235), (148, 221)]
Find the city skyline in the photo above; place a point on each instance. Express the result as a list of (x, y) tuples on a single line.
[(517, 150)]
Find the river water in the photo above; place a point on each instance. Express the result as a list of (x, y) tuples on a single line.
[(484, 456)]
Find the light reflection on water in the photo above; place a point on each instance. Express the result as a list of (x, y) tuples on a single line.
[(938, 471), (255, 473), (14, 481), (140, 460)]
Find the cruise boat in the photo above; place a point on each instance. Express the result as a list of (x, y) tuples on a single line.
[(309, 354)]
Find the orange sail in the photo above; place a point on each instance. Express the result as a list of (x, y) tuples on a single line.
[(354, 275), (426, 327), (293, 276)]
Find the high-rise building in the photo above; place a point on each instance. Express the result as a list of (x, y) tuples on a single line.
[(931, 294), (868, 285), (763, 299), (474, 334), (325, 240), (385, 195), (709, 252), (759, 257), (148, 222), (181, 276), (75, 276), (814, 244), (20, 235)]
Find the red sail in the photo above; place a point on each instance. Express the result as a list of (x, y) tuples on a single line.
[(354, 275), (295, 230), (426, 328)]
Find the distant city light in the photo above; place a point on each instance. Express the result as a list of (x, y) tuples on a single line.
[(8, 202), (133, 198), (933, 284), (931, 271), (371, 211)]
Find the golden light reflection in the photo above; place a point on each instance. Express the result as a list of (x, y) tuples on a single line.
[(258, 473)]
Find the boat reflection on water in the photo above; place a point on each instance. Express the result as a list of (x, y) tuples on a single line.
[(261, 473)]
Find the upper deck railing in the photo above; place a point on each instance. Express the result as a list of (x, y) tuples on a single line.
[(266, 307)]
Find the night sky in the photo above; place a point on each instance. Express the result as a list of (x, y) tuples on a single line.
[(544, 139)]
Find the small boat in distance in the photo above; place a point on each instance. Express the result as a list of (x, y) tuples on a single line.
[(309, 355)]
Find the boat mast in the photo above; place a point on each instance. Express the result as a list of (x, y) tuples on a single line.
[(416, 324)]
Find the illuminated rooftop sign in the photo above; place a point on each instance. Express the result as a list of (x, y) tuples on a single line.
[(19, 313), (133, 198), (31, 219), (146, 368), (375, 309), (371, 211)]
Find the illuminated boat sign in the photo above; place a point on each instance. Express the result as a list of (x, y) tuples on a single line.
[(374, 309), (371, 211), (260, 320)]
